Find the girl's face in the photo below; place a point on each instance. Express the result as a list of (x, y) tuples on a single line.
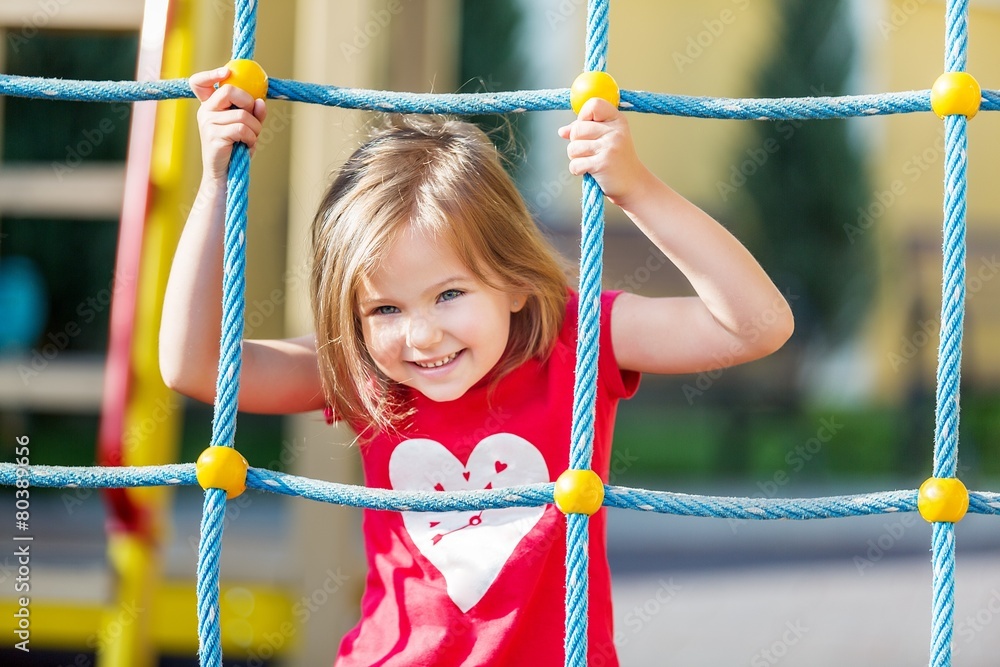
[(428, 322)]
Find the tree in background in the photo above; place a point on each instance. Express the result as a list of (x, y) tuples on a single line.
[(798, 185), (490, 61)]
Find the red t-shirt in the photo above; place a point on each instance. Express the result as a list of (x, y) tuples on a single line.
[(488, 587)]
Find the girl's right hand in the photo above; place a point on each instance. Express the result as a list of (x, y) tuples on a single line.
[(227, 115)]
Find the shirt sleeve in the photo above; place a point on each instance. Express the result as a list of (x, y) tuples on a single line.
[(620, 383)]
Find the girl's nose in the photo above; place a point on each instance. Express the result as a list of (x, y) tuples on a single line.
[(422, 332)]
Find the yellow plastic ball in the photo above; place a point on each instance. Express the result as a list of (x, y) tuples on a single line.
[(222, 468), (593, 84), (579, 492), (956, 93), (247, 75), (943, 499)]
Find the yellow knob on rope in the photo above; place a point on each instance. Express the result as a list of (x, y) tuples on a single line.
[(222, 468), (943, 499), (247, 75), (593, 84), (956, 93), (579, 492)]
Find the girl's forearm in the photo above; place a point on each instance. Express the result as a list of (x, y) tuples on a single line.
[(190, 327), (730, 282)]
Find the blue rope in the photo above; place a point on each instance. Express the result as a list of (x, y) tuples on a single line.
[(464, 104), (942, 593), (581, 450), (207, 585), (233, 288), (952, 299), (532, 495), (949, 372), (244, 28), (230, 359)]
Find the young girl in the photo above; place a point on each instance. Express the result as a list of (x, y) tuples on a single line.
[(445, 336)]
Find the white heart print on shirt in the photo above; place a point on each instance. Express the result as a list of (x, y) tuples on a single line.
[(468, 548)]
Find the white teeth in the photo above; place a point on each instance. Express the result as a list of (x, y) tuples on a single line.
[(442, 362)]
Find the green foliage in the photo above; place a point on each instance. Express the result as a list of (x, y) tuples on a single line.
[(489, 62), (787, 447), (805, 180)]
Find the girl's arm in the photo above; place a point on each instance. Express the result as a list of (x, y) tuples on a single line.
[(738, 314), (277, 376)]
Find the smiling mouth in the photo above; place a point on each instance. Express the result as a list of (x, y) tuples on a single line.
[(440, 362)]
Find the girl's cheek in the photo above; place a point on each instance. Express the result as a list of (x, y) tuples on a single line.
[(380, 338)]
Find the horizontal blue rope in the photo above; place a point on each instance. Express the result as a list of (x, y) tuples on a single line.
[(794, 108), (534, 495), (400, 501), (100, 477), (462, 104), (781, 108), (665, 502), (73, 90)]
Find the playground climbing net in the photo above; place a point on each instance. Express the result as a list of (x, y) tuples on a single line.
[(942, 500)]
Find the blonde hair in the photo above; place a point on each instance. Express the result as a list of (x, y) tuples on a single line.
[(441, 176)]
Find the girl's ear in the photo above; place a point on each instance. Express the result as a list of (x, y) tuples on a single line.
[(518, 301)]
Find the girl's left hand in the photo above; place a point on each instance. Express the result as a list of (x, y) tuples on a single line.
[(600, 144)]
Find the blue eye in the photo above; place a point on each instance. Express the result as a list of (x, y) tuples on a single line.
[(450, 294), (385, 310)]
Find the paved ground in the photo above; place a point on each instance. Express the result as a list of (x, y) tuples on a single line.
[(694, 592), (703, 592)]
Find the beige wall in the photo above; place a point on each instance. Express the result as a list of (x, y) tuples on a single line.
[(709, 48), (910, 164)]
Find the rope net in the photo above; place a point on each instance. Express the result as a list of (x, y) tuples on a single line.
[(592, 229)]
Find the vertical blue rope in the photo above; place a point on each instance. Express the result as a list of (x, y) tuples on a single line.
[(244, 28), (233, 288), (596, 47), (952, 299), (230, 355), (950, 347), (585, 379), (209, 551)]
